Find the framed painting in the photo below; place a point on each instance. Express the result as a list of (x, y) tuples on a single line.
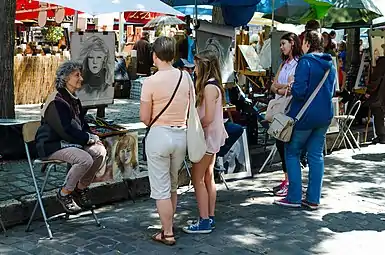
[(237, 160)]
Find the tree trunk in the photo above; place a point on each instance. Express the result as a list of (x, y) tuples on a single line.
[(7, 49)]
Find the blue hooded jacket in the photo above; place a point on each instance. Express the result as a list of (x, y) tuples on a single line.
[(310, 70)]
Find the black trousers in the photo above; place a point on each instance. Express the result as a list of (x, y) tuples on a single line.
[(378, 114), (281, 150)]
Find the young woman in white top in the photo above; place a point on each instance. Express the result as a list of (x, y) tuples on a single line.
[(291, 51)]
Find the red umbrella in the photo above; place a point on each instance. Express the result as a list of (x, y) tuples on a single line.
[(29, 9)]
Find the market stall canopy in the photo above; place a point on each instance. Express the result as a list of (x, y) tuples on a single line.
[(140, 17), (164, 21), (29, 9), (95, 7), (235, 12)]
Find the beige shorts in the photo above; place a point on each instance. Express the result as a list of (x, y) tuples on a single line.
[(166, 149)]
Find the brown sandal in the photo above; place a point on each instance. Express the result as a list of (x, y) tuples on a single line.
[(163, 238)]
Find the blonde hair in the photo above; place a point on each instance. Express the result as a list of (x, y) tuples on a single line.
[(126, 142), (207, 64)]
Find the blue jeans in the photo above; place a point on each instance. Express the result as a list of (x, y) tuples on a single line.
[(312, 141), (234, 131)]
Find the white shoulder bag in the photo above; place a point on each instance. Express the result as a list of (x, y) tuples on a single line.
[(281, 128), (196, 142)]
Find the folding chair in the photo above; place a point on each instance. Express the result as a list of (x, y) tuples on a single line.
[(269, 158), (29, 132), (344, 123)]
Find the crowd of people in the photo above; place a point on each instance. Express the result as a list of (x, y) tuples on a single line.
[(64, 134)]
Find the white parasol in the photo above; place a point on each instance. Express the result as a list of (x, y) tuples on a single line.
[(164, 21)]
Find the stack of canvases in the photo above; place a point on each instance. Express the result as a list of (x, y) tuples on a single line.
[(34, 78)]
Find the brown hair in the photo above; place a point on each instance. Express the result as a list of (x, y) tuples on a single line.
[(315, 40), (207, 64), (312, 25), (164, 48), (296, 50)]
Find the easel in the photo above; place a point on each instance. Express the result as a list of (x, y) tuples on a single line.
[(241, 65)]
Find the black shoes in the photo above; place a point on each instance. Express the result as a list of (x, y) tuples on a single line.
[(378, 140), (68, 203), (81, 198)]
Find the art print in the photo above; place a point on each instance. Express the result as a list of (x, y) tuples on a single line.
[(96, 52)]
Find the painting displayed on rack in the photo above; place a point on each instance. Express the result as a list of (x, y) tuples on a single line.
[(237, 160), (122, 159), (218, 38), (96, 51)]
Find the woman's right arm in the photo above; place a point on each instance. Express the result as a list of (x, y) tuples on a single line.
[(146, 103)]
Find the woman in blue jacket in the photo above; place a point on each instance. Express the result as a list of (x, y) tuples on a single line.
[(310, 131)]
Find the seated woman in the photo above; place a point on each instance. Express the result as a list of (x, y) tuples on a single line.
[(64, 135)]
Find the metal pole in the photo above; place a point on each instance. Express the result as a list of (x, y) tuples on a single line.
[(75, 23), (121, 31), (196, 20), (272, 14)]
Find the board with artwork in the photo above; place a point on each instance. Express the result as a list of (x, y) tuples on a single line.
[(218, 38), (237, 160), (122, 159), (251, 57), (377, 44), (96, 51)]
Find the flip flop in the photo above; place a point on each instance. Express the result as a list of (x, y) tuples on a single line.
[(163, 239)]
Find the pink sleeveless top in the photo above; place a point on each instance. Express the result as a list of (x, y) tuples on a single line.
[(215, 133)]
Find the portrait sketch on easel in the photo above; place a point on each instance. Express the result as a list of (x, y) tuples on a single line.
[(218, 38), (96, 51)]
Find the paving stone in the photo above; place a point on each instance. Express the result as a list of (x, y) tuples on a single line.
[(247, 221)]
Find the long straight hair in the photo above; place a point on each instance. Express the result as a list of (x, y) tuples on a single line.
[(207, 64), (296, 50)]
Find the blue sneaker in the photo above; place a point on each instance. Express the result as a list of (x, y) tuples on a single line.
[(201, 227), (192, 222)]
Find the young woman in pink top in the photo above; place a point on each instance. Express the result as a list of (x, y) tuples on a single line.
[(210, 99)]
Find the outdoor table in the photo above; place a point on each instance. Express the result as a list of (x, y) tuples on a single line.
[(10, 123)]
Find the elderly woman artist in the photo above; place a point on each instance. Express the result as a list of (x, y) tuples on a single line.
[(64, 136)]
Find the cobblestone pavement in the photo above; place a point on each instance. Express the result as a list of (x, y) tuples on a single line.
[(350, 220), (16, 173)]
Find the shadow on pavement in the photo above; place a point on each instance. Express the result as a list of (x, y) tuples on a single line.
[(354, 221)]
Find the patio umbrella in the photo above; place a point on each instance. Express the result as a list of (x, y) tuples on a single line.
[(291, 11), (351, 13), (190, 9), (164, 21), (95, 7)]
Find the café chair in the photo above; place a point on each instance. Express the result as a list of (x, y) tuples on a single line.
[(29, 133), (344, 123)]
